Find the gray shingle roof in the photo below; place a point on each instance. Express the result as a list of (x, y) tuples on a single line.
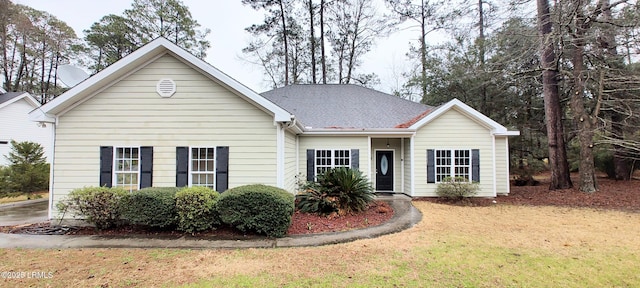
[(9, 95), (344, 106)]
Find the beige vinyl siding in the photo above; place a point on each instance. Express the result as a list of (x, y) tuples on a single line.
[(453, 130), (130, 113), (333, 142), (407, 166), (381, 144), (502, 165), (290, 154)]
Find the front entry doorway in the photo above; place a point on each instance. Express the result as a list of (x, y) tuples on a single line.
[(384, 170)]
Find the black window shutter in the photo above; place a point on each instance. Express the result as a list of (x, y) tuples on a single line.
[(146, 167), (106, 166), (475, 165), (355, 159), (182, 166), (222, 168), (311, 164), (431, 167)]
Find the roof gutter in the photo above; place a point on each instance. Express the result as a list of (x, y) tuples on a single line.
[(506, 133), (360, 132)]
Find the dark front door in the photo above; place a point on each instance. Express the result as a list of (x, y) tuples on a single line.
[(384, 170)]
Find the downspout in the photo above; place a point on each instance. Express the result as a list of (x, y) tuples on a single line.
[(402, 165), (297, 161), (371, 175), (51, 171), (506, 149), (280, 155), (495, 180), (412, 166)]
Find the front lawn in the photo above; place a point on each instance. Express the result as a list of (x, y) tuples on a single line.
[(24, 197), (453, 246)]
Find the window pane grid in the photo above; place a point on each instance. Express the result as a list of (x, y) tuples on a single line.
[(127, 169), (452, 163), (327, 159), (203, 167)]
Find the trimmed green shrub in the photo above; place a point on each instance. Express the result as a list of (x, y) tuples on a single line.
[(314, 199), (352, 190), (99, 205), (257, 208), (154, 207), (457, 188), (195, 209)]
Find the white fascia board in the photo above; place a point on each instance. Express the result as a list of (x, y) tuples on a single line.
[(37, 115), (280, 115), (507, 133), (496, 127), (79, 92), (151, 49), (359, 132), (26, 96), (31, 100)]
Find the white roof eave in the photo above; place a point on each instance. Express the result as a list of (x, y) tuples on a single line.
[(146, 52)]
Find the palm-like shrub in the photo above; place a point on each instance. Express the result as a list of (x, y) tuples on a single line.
[(314, 199), (339, 189)]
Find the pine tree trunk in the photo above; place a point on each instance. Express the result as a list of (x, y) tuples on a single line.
[(580, 116), (283, 18), (323, 58), (312, 43), (559, 166), (423, 55)]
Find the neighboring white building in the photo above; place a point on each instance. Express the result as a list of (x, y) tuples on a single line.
[(162, 117), (16, 125)]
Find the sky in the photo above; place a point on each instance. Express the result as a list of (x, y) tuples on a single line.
[(227, 20)]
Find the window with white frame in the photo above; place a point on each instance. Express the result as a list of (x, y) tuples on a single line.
[(452, 163), (327, 159), (203, 169), (127, 168)]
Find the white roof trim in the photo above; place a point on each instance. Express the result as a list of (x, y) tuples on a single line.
[(508, 133), (26, 96), (155, 47), (381, 132), (496, 128)]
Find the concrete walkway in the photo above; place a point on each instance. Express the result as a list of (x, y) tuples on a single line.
[(405, 216)]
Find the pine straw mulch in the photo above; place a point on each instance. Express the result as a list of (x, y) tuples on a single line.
[(377, 213), (611, 195)]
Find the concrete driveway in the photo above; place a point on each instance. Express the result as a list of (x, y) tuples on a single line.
[(32, 211)]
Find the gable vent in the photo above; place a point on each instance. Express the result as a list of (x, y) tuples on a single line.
[(166, 88)]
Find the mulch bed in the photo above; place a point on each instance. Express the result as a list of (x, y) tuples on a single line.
[(611, 195), (302, 223)]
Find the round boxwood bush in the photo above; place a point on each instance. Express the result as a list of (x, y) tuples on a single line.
[(457, 188), (195, 209), (97, 205), (257, 208), (154, 207)]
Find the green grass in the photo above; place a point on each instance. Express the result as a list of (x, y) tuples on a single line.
[(499, 246), (460, 263)]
